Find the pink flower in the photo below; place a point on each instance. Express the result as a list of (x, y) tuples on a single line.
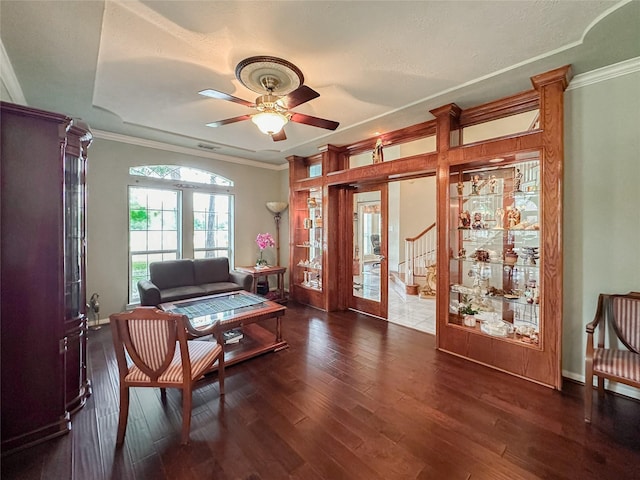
[(265, 240)]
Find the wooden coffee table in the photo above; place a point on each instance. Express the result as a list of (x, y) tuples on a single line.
[(215, 314)]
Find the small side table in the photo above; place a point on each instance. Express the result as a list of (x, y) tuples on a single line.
[(256, 273)]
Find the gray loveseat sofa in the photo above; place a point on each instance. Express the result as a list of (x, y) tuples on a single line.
[(180, 279)]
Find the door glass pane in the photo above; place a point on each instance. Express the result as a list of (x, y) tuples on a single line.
[(367, 238)]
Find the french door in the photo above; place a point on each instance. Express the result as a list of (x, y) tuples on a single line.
[(369, 250)]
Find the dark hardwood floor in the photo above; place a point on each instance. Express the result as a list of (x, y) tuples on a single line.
[(352, 398)]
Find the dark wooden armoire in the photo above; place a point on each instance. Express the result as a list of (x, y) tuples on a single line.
[(42, 277)]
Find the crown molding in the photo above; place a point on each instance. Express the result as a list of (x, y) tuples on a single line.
[(605, 73), (141, 142), (9, 78)]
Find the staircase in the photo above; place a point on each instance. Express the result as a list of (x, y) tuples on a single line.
[(417, 272)]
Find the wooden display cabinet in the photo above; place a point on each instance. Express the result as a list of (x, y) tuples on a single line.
[(520, 173), (44, 323), (308, 245), (313, 259), (499, 235), (495, 243)]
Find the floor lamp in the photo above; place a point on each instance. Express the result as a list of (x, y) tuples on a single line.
[(277, 208)]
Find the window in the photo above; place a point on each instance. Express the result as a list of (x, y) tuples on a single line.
[(153, 231), (176, 172), (315, 170), (211, 220), (168, 220)]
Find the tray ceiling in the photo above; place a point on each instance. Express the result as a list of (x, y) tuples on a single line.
[(135, 68)]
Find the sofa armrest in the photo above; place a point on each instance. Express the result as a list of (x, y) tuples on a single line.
[(149, 293), (245, 280)]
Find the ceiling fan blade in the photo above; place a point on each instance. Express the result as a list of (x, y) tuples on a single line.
[(278, 137), (314, 121), (300, 95), (227, 121), (225, 96)]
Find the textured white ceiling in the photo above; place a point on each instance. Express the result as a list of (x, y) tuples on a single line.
[(135, 67)]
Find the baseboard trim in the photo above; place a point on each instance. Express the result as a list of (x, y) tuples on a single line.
[(615, 387), (101, 321)]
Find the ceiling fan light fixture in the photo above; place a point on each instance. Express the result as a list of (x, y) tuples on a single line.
[(270, 123), (280, 84)]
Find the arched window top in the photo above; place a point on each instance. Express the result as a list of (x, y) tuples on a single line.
[(177, 172)]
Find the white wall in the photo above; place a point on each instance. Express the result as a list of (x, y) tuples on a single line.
[(498, 128), (417, 196), (394, 238), (4, 93), (107, 228), (601, 200), (418, 208), (283, 196)]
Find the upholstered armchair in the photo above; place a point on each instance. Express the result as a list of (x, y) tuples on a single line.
[(152, 351), (619, 314)]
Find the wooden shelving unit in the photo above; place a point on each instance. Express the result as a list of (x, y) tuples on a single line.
[(454, 161)]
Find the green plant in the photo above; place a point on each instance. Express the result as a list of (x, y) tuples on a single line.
[(467, 310)]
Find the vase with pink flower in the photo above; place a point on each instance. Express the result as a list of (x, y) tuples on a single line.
[(264, 240)]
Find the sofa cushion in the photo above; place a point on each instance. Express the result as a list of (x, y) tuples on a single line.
[(210, 270), (172, 273), (220, 287), (181, 293)]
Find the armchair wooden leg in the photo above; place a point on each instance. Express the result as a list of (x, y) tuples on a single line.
[(124, 414), (187, 401), (588, 400), (588, 388), (600, 387), (221, 373)]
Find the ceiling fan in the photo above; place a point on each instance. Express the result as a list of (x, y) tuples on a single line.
[(280, 85)]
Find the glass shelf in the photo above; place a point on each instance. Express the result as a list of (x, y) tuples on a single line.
[(495, 262), (308, 241)]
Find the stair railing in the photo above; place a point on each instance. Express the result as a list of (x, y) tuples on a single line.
[(420, 252)]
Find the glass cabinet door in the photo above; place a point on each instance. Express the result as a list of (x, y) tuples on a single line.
[(73, 236), (78, 387), (495, 251)]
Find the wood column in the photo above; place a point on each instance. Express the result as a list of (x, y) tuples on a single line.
[(551, 86), (447, 136)]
